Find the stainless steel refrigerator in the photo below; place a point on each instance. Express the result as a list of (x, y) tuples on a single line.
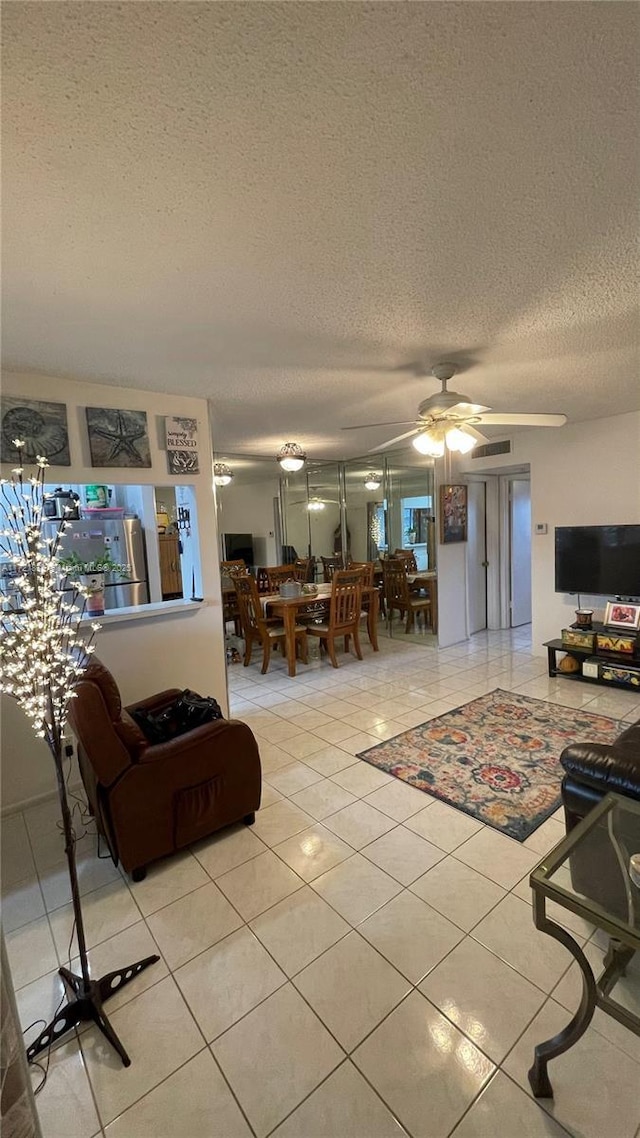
[(124, 541)]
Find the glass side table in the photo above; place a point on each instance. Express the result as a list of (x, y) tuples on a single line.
[(588, 873)]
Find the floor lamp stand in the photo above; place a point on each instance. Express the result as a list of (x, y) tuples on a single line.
[(86, 995)]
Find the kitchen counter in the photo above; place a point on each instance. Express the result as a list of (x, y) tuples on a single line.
[(146, 612)]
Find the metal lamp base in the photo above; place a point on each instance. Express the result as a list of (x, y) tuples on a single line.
[(88, 998)]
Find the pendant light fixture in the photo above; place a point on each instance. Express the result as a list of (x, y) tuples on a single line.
[(291, 457), (433, 441), (372, 481), (222, 474), (430, 442), (460, 440)]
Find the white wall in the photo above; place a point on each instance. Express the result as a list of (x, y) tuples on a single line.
[(452, 594), (582, 474), (181, 650), (248, 508), (451, 565)]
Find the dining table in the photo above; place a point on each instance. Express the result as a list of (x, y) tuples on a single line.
[(427, 580), (288, 609)]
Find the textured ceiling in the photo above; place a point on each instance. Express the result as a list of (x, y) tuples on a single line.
[(269, 204)]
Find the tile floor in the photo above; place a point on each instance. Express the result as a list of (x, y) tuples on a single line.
[(361, 963)]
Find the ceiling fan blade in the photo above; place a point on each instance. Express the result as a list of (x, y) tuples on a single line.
[(466, 409), (476, 434), (392, 442), (365, 426), (517, 420)]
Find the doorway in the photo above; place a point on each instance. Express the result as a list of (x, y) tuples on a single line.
[(519, 552), (477, 556), (499, 550)]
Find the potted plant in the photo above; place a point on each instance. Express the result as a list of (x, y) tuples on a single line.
[(411, 536), (91, 575)]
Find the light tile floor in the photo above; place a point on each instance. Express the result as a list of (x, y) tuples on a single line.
[(362, 963)]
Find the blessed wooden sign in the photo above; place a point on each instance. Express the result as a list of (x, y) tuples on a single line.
[(182, 446)]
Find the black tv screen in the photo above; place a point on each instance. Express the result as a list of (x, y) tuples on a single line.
[(238, 545), (603, 560)]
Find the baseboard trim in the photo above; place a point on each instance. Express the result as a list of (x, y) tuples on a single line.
[(38, 800)]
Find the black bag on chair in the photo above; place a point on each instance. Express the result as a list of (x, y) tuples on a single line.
[(189, 710)]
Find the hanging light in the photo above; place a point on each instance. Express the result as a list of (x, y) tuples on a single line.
[(372, 482), (291, 457), (222, 474), (460, 440), (432, 441), (315, 504)]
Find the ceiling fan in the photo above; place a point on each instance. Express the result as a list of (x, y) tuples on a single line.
[(449, 418), (315, 502)]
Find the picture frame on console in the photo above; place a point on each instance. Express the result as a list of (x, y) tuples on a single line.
[(621, 614)]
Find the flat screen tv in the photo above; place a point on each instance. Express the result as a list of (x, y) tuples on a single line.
[(602, 560), (238, 545)]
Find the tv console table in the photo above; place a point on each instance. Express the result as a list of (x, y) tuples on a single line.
[(630, 664)]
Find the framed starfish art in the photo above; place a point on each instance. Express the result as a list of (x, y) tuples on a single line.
[(118, 438)]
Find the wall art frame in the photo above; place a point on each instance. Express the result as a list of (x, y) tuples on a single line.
[(40, 424), (118, 438), (453, 513), (181, 436)]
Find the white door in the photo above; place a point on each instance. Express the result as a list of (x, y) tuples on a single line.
[(520, 551), (477, 556)]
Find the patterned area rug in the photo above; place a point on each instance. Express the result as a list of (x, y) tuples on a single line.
[(497, 758)]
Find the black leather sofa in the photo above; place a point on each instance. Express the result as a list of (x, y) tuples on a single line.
[(591, 771)]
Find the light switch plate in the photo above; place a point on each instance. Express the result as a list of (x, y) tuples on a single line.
[(541, 527)]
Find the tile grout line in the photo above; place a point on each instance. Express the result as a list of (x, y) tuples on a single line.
[(404, 888), (171, 974), (76, 1033), (290, 980)]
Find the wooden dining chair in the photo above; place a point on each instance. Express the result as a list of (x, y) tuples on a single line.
[(229, 570), (329, 566), (366, 569), (345, 610), (409, 556), (258, 629), (262, 580), (304, 568), (367, 572), (397, 593), (278, 574)]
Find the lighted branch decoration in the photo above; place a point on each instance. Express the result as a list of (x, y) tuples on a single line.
[(45, 649)]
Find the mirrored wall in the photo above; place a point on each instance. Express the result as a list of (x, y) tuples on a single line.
[(411, 513), (249, 510), (363, 508)]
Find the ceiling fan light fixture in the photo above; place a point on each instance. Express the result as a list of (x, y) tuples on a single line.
[(460, 440), (430, 442), (291, 457), (222, 474), (372, 482)]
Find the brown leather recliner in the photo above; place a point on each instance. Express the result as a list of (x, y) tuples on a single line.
[(150, 800)]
